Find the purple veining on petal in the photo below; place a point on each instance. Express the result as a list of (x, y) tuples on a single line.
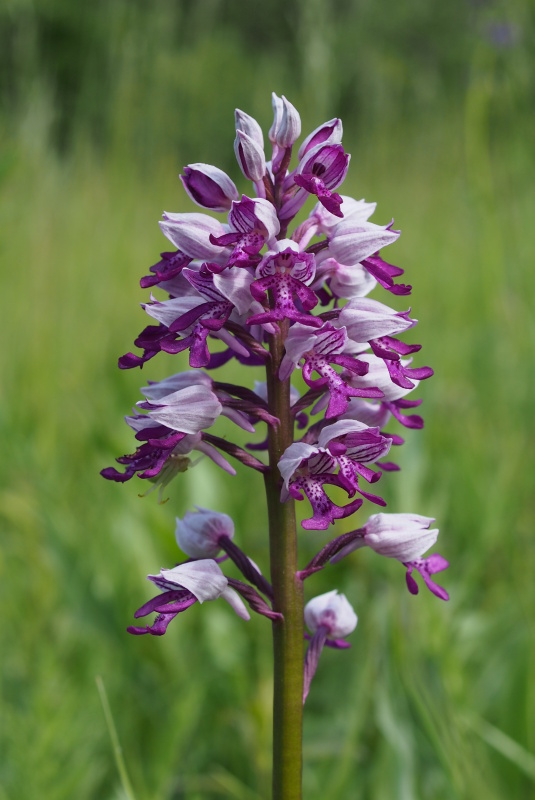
[(326, 349), (325, 512), (329, 132), (285, 274), (322, 169)]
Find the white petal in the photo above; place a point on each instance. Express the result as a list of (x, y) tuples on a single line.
[(379, 376), (234, 284), (340, 428), (366, 319), (354, 241), (189, 410), (292, 458), (236, 602), (190, 232), (156, 391), (167, 311), (203, 579)]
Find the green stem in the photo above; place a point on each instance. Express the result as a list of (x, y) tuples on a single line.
[(287, 594)]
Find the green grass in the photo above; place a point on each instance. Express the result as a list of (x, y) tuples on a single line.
[(433, 700)]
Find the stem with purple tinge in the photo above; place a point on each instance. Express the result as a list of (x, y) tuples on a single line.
[(287, 593)]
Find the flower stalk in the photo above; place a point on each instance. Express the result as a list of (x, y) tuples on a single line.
[(287, 592)]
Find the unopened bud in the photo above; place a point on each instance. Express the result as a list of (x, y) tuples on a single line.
[(209, 187), (248, 125), (199, 532), (250, 156), (286, 127), (332, 611)]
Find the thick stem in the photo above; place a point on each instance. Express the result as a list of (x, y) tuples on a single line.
[(287, 594)]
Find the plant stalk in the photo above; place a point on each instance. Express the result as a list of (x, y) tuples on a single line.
[(287, 593)]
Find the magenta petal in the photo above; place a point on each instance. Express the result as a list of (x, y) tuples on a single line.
[(427, 567), (411, 583)]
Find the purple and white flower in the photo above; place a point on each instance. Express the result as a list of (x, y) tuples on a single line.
[(182, 586), (328, 133), (209, 187), (405, 537), (169, 432), (252, 223), (306, 469), (319, 350), (285, 272), (199, 533), (330, 618)]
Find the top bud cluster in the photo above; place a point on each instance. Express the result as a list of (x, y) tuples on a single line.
[(239, 282)]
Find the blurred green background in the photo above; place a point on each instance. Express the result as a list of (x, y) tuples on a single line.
[(102, 105)]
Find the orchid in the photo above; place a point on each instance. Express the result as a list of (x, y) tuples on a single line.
[(330, 618), (249, 289), (181, 587)]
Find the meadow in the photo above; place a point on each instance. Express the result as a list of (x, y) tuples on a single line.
[(433, 700)]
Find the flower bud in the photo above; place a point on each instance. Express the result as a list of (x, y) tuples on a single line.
[(199, 532), (331, 611), (209, 187), (250, 156), (248, 125), (276, 102), (286, 127)]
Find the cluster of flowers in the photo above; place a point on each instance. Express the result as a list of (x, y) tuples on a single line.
[(238, 283)]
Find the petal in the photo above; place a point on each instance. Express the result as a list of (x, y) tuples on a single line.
[(340, 428), (352, 241), (293, 457), (190, 233), (189, 410), (203, 578), (234, 600)]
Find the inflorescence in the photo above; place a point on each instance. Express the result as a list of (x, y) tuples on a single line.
[(230, 285)]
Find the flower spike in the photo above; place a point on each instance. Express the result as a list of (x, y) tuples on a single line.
[(250, 287)]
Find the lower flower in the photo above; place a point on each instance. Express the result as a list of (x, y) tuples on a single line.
[(183, 586)]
